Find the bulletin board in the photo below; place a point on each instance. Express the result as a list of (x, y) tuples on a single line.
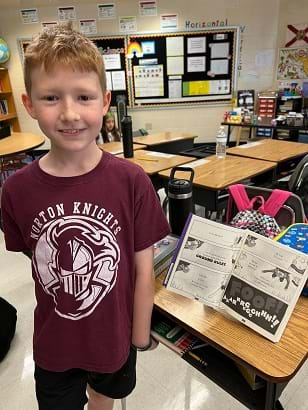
[(182, 67), (113, 49)]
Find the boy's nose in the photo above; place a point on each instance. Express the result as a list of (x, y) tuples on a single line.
[(69, 114)]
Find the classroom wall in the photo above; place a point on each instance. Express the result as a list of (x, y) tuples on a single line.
[(262, 25), (294, 13)]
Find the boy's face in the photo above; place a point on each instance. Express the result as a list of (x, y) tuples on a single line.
[(68, 105)]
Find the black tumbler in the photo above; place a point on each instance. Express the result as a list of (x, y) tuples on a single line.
[(180, 199), (127, 136)]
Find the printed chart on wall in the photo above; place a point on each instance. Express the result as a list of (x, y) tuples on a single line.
[(182, 67), (113, 50)]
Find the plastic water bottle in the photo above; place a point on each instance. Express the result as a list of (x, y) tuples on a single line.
[(221, 142)]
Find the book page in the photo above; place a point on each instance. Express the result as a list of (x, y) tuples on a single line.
[(265, 284), (204, 260)]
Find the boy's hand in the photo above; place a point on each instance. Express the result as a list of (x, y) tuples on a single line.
[(153, 343)]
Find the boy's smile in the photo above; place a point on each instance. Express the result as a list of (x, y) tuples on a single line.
[(68, 105)]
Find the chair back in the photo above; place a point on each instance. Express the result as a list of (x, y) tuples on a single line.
[(298, 182)]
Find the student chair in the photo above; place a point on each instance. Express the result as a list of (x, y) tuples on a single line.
[(11, 163), (298, 182), (291, 212)]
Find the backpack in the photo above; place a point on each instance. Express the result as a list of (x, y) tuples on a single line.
[(8, 318), (256, 214)]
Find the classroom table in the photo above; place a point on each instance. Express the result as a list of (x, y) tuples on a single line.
[(20, 142), (270, 150), (276, 363), (214, 174), (169, 142), (287, 154), (116, 147), (153, 162)]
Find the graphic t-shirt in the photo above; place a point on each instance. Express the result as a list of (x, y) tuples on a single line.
[(83, 232)]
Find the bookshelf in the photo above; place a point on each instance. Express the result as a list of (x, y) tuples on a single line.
[(8, 115)]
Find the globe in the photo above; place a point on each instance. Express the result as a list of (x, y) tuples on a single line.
[(4, 51)]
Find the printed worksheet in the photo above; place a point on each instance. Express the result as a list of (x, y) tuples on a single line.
[(265, 284), (204, 261)]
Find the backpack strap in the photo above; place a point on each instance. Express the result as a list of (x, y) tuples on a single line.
[(274, 202), (240, 197)]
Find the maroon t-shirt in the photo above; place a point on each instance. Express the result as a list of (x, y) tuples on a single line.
[(83, 232)]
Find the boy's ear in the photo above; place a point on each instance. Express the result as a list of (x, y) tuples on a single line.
[(28, 105), (107, 99)]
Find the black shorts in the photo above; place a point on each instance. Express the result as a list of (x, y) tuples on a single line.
[(67, 390)]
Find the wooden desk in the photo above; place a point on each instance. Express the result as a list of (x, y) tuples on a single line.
[(116, 147), (270, 150), (152, 162), (169, 142), (20, 142), (213, 174), (276, 363)]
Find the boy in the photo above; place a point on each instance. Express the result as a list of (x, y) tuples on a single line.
[(90, 220)]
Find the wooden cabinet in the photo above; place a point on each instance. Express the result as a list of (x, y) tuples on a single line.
[(8, 114)]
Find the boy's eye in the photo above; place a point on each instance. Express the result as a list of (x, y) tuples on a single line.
[(50, 98), (84, 98)]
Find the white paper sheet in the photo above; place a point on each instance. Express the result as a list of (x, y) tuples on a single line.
[(118, 80), (196, 45), (175, 65), (175, 46), (175, 88), (127, 24), (220, 66), (108, 80), (219, 50), (149, 81), (106, 11), (168, 21), (196, 64), (219, 86), (29, 16), (159, 154), (66, 13), (112, 61), (88, 27)]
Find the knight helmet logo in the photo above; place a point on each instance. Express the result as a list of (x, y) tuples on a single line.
[(76, 261)]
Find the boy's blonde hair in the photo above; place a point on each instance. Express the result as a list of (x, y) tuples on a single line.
[(62, 45)]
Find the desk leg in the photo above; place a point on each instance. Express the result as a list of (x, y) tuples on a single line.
[(273, 391), (238, 135), (228, 135)]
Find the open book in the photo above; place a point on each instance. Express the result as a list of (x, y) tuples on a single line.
[(254, 279)]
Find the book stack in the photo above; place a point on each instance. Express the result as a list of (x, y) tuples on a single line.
[(178, 339), (163, 252), (3, 107)]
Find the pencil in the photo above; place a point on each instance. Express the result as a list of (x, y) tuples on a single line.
[(148, 159), (193, 355)]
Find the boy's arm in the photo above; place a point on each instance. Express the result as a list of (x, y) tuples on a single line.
[(143, 298)]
